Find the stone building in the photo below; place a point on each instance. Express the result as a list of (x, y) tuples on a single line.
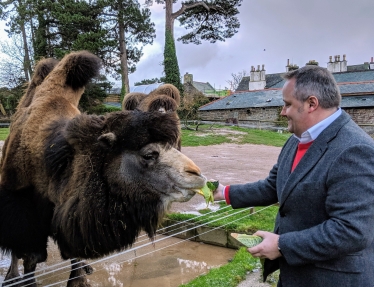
[(256, 107)]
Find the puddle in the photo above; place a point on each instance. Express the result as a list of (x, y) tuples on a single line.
[(169, 262)]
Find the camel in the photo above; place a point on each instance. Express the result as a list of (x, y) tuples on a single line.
[(166, 98), (92, 183)]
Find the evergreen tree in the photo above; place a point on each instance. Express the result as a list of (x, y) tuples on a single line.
[(171, 67), (148, 82), (212, 20), (127, 22)]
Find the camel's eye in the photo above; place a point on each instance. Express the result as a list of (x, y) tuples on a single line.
[(151, 156)]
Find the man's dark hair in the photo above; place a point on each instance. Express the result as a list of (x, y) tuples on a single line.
[(315, 81)]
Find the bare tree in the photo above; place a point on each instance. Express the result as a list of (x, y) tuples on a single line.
[(236, 79), (12, 68)]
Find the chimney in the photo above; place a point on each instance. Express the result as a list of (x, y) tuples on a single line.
[(262, 75), (343, 64), (288, 65), (371, 64), (257, 78), (312, 62), (337, 66), (188, 78)]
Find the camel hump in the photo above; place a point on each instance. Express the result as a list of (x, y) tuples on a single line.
[(41, 71), (80, 67)]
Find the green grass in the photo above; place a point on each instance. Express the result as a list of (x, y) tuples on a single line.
[(239, 220), (217, 134), (4, 132), (228, 275)]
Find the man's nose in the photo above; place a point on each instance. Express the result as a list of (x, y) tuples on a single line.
[(283, 111)]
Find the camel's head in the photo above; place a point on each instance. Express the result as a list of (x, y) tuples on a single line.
[(135, 154)]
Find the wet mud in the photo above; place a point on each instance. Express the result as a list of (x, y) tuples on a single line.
[(169, 262)]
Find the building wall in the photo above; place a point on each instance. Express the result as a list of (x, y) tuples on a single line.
[(248, 115), (364, 117), (361, 116)]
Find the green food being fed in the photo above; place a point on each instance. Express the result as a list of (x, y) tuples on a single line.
[(207, 191), (247, 240)]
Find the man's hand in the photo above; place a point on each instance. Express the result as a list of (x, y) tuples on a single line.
[(268, 248), (218, 193)]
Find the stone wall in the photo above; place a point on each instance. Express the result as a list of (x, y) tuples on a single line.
[(249, 114), (263, 117), (364, 117)]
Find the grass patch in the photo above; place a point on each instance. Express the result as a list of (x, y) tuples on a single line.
[(263, 137), (217, 134), (237, 220), (229, 275), (196, 138), (4, 132), (228, 218)]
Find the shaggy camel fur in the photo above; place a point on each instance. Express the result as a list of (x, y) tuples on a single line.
[(92, 183), (166, 98)]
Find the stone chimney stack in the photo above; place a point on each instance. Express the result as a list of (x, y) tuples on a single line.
[(337, 66), (288, 65), (257, 78), (343, 64), (188, 78)]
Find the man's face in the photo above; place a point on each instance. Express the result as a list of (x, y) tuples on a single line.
[(295, 111)]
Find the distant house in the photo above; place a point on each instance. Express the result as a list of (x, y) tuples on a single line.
[(258, 98), (190, 86)]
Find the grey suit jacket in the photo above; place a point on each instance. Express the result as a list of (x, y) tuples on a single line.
[(326, 208)]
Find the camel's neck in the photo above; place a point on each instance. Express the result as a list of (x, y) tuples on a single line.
[(99, 224)]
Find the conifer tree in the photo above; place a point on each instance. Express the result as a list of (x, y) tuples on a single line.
[(171, 67), (211, 20)]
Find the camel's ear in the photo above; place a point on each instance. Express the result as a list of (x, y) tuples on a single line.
[(107, 140)]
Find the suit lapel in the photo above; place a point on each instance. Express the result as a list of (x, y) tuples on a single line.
[(310, 159)]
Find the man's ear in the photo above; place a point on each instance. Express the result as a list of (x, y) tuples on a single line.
[(313, 103)]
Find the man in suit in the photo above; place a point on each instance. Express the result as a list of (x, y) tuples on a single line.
[(324, 183)]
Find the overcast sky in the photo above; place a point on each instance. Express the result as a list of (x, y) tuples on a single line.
[(271, 32)]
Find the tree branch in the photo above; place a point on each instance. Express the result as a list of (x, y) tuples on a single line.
[(186, 7)]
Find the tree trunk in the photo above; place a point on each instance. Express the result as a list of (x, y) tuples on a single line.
[(26, 58), (169, 19), (123, 56)]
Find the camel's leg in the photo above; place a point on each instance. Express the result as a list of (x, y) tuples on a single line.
[(29, 266), (12, 275), (78, 274)]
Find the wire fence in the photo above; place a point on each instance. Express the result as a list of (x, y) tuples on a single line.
[(52, 271)]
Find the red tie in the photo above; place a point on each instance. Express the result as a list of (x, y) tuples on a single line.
[(301, 150)]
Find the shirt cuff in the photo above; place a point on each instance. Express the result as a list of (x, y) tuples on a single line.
[(226, 194)]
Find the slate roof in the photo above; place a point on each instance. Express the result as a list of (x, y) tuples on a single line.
[(272, 81), (364, 97), (354, 76), (203, 87), (276, 80)]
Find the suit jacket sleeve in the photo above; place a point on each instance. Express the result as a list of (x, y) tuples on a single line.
[(346, 219)]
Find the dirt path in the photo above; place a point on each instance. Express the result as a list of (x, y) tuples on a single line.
[(231, 163)]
